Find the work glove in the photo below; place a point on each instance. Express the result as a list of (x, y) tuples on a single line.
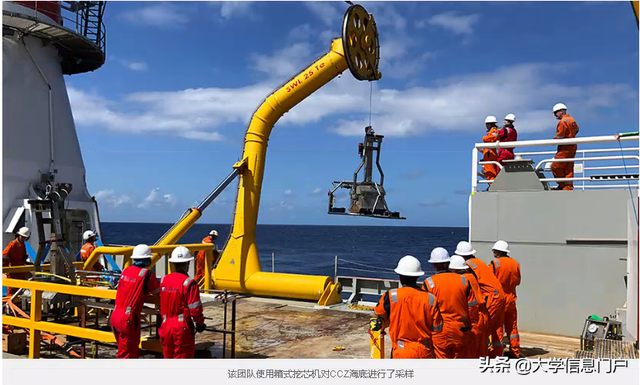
[(376, 324), (200, 328)]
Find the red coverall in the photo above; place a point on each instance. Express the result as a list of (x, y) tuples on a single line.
[(179, 305), (479, 317), (85, 253), (507, 270), (567, 128), (495, 301), (413, 318), (200, 259), (135, 283), (508, 133), (453, 293), (490, 154), (15, 254)]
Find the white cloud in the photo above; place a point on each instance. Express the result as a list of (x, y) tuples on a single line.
[(284, 63), (463, 99), (452, 21), (317, 191), (155, 199), (137, 66), (288, 192), (110, 197), (466, 99), (328, 12), (132, 65), (160, 15), (229, 9)]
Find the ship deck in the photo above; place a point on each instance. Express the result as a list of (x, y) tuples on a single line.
[(276, 328)]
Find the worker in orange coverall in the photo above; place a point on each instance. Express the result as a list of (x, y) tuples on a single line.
[(15, 254), (135, 282), (89, 238), (453, 293), (180, 307), (507, 270), (412, 315), (200, 256), (493, 294), (490, 154), (478, 313), (567, 128)]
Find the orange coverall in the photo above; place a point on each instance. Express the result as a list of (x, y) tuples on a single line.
[(507, 270), (479, 316), (490, 154), (495, 301), (15, 254), (567, 128), (453, 293), (414, 319), (85, 253), (200, 259)]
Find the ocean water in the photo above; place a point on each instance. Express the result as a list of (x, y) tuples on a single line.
[(362, 251)]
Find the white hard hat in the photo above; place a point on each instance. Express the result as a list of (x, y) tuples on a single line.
[(464, 248), (501, 246), (439, 255), (558, 107), (457, 263), (491, 119), (88, 234), (409, 266), (25, 232), (141, 252), (213, 233), (510, 117), (180, 255)]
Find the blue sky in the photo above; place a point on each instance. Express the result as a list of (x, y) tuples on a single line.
[(162, 122)]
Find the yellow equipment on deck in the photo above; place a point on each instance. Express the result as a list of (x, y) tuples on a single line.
[(238, 269)]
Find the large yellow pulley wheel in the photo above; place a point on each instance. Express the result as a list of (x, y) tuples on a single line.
[(360, 41)]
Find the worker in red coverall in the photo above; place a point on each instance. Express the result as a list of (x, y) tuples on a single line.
[(412, 315), (135, 282), (495, 297), (453, 293), (507, 133), (567, 129), (15, 254), (180, 307), (90, 239), (200, 256), (507, 270)]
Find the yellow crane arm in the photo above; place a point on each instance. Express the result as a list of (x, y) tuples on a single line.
[(239, 266)]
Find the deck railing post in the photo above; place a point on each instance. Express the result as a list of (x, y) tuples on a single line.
[(208, 266), (36, 316)]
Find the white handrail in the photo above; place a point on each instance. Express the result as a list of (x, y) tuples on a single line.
[(609, 167), (579, 151), (492, 162), (610, 186), (564, 160), (555, 142), (571, 180)]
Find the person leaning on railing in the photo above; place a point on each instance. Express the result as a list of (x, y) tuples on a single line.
[(567, 128)]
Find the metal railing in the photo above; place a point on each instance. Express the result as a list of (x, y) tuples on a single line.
[(85, 18), (34, 323), (626, 159)]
